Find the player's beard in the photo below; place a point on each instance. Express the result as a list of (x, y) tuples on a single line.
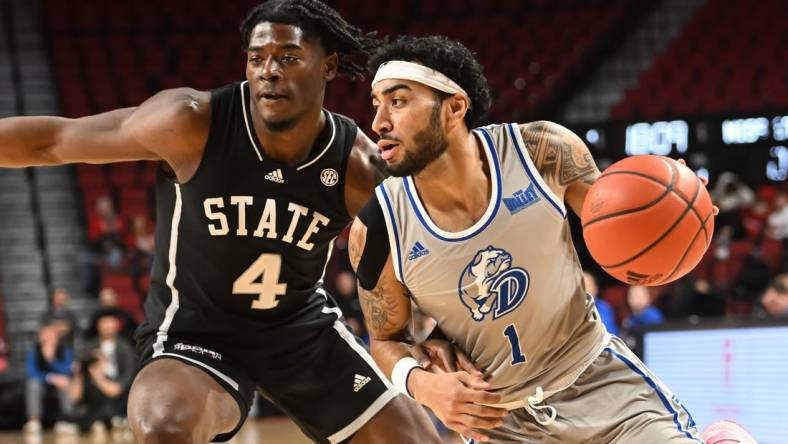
[(429, 144)]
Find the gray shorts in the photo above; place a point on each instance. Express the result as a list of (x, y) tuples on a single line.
[(615, 400)]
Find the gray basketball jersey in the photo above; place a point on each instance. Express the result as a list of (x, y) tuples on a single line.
[(509, 289)]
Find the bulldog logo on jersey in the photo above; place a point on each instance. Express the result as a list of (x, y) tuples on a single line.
[(490, 281)]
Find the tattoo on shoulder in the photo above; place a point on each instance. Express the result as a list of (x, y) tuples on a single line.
[(558, 154)]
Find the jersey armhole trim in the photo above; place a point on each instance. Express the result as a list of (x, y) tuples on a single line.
[(330, 119), (532, 172), (246, 121), (391, 226), (345, 168)]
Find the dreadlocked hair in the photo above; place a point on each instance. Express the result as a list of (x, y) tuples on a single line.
[(321, 22)]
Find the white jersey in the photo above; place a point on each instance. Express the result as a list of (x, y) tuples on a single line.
[(509, 289)]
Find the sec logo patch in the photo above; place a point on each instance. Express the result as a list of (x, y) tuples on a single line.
[(329, 177)]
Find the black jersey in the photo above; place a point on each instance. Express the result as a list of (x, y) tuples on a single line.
[(244, 243)]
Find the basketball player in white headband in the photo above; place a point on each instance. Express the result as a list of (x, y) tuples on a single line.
[(472, 228)]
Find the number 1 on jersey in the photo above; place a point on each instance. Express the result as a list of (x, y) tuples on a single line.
[(262, 278), (511, 333)]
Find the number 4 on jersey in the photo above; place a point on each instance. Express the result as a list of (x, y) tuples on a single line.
[(262, 279)]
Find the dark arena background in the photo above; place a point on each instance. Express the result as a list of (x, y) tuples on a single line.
[(702, 80)]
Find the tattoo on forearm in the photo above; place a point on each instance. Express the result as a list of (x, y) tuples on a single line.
[(378, 310), (553, 151)]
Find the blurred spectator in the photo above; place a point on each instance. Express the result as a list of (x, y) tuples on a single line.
[(778, 220), (60, 315), (108, 305), (755, 274), (141, 246), (643, 313), (103, 376), (105, 246), (606, 312), (754, 219), (106, 233), (775, 299), (778, 225), (690, 296), (731, 195), (48, 369), (347, 300)]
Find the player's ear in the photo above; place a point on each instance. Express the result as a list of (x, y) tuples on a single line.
[(330, 66), (458, 107)]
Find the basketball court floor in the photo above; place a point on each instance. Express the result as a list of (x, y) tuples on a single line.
[(255, 431), (265, 431)]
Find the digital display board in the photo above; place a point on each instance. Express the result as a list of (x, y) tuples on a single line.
[(726, 373), (753, 146)]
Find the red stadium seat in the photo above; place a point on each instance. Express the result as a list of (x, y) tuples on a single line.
[(733, 48)]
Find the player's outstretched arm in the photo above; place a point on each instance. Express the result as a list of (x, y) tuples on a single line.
[(563, 160), (457, 398), (165, 127)]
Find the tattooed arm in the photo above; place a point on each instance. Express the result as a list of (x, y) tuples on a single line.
[(456, 397), (563, 160), (386, 307)]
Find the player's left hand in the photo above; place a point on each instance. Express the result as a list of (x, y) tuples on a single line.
[(442, 356), (714, 209)]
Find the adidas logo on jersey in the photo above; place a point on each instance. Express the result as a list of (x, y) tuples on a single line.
[(417, 251), (275, 176), (521, 199), (359, 382)]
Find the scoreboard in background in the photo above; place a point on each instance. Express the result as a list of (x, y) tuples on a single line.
[(755, 147)]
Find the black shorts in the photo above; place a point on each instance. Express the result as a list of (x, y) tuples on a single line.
[(321, 375)]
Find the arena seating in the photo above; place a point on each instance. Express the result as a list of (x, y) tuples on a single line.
[(112, 54), (108, 55), (729, 58)]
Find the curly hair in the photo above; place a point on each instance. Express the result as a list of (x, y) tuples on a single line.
[(447, 56), (321, 22)]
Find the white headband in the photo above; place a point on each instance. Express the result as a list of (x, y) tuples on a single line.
[(397, 69)]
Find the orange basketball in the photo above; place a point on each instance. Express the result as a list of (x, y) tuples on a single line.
[(647, 220)]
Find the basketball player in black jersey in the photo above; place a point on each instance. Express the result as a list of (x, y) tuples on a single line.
[(257, 180)]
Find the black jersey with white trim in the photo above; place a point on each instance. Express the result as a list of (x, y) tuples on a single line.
[(244, 243)]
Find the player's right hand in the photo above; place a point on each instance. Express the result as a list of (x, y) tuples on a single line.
[(442, 356), (456, 399)]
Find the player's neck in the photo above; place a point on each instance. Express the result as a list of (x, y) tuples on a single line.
[(293, 145), (459, 179)]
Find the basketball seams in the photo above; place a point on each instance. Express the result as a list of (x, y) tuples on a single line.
[(681, 196), (668, 189), (686, 252), (692, 202), (702, 220), (654, 243), (687, 209)]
